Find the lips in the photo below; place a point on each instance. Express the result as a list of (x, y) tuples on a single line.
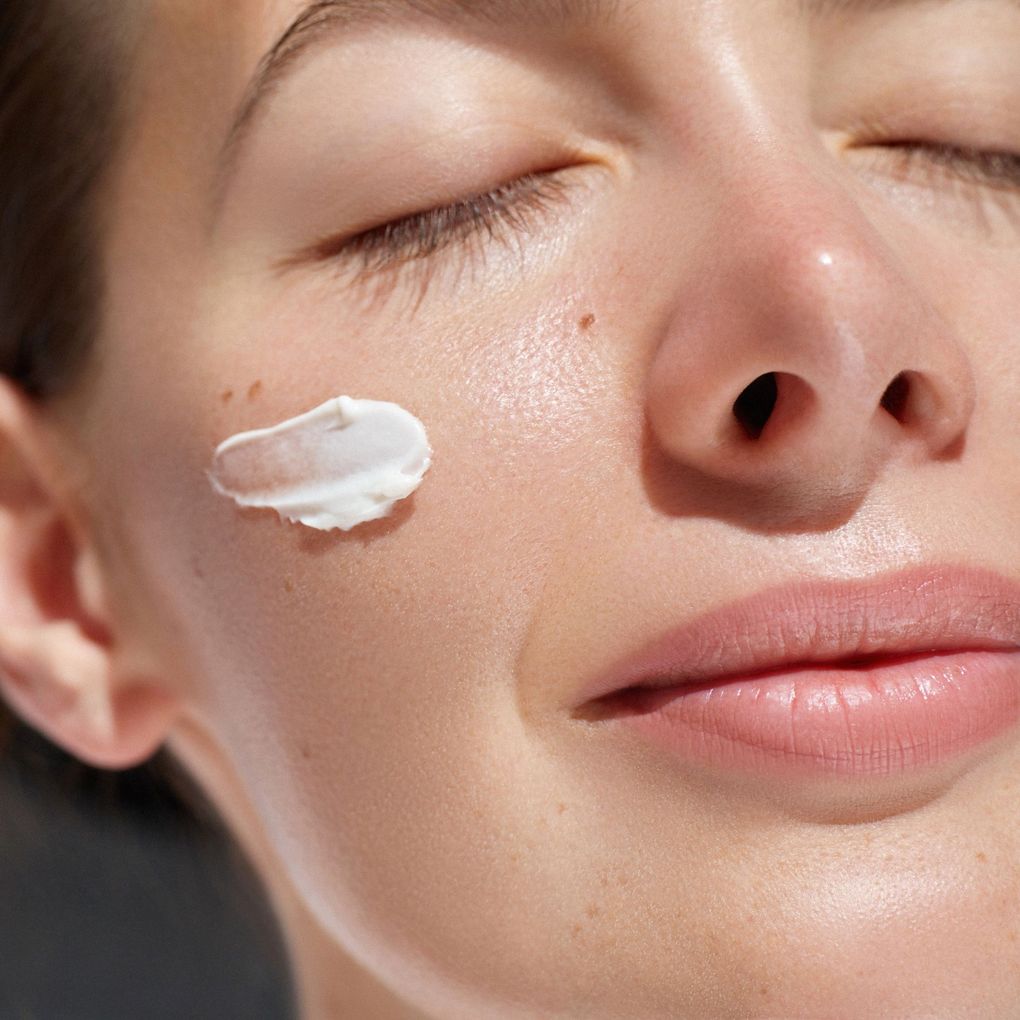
[(922, 611), (851, 681)]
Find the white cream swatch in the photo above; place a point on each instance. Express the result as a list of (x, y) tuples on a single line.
[(343, 463)]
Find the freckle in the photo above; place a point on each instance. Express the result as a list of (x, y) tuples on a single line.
[(288, 585), (561, 808), (1012, 936), (604, 880), (305, 752), (591, 910), (515, 857), (226, 396), (255, 389), (576, 931), (981, 856), (764, 991), (587, 321)]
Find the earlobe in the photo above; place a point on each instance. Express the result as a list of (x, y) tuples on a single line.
[(64, 685), (64, 667)]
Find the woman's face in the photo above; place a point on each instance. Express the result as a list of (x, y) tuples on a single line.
[(721, 189)]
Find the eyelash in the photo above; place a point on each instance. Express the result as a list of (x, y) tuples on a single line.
[(506, 213), (996, 169), (503, 214)]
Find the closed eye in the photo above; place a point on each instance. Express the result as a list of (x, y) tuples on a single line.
[(503, 214), (994, 168)]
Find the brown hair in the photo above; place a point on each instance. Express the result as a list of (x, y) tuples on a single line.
[(64, 93), (64, 69), (63, 65)]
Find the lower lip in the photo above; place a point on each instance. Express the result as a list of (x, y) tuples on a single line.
[(897, 716)]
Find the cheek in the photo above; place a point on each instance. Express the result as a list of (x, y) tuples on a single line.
[(364, 682), (978, 295), (364, 647)]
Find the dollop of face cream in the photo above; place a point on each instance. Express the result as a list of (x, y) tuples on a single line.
[(343, 463)]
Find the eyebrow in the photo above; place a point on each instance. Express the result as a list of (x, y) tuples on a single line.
[(321, 20)]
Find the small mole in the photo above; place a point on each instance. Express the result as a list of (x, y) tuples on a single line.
[(587, 322), (561, 808), (305, 752), (255, 389), (981, 856), (288, 585), (226, 396)]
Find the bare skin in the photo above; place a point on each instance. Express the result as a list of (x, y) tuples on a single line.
[(381, 715)]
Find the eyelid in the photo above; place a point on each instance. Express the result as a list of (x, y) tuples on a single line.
[(426, 233), (504, 212), (994, 167), (991, 169)]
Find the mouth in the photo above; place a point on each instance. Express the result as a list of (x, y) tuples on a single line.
[(901, 670), (648, 697)]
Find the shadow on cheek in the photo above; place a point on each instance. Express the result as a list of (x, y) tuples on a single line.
[(315, 543)]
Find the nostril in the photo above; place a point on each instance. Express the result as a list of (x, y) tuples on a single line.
[(894, 400), (755, 405)]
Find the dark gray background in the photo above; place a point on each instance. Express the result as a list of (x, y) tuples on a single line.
[(119, 900)]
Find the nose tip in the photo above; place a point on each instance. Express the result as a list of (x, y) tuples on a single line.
[(809, 382)]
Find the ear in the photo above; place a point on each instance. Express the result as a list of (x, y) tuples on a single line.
[(65, 667)]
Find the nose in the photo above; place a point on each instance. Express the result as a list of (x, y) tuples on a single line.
[(802, 358)]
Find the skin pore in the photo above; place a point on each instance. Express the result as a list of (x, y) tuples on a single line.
[(653, 204)]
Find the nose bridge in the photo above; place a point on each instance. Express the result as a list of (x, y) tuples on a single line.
[(802, 355)]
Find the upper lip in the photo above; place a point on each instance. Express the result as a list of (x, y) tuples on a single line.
[(922, 609)]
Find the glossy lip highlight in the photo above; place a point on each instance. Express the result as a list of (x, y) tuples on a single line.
[(940, 608), (870, 679)]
